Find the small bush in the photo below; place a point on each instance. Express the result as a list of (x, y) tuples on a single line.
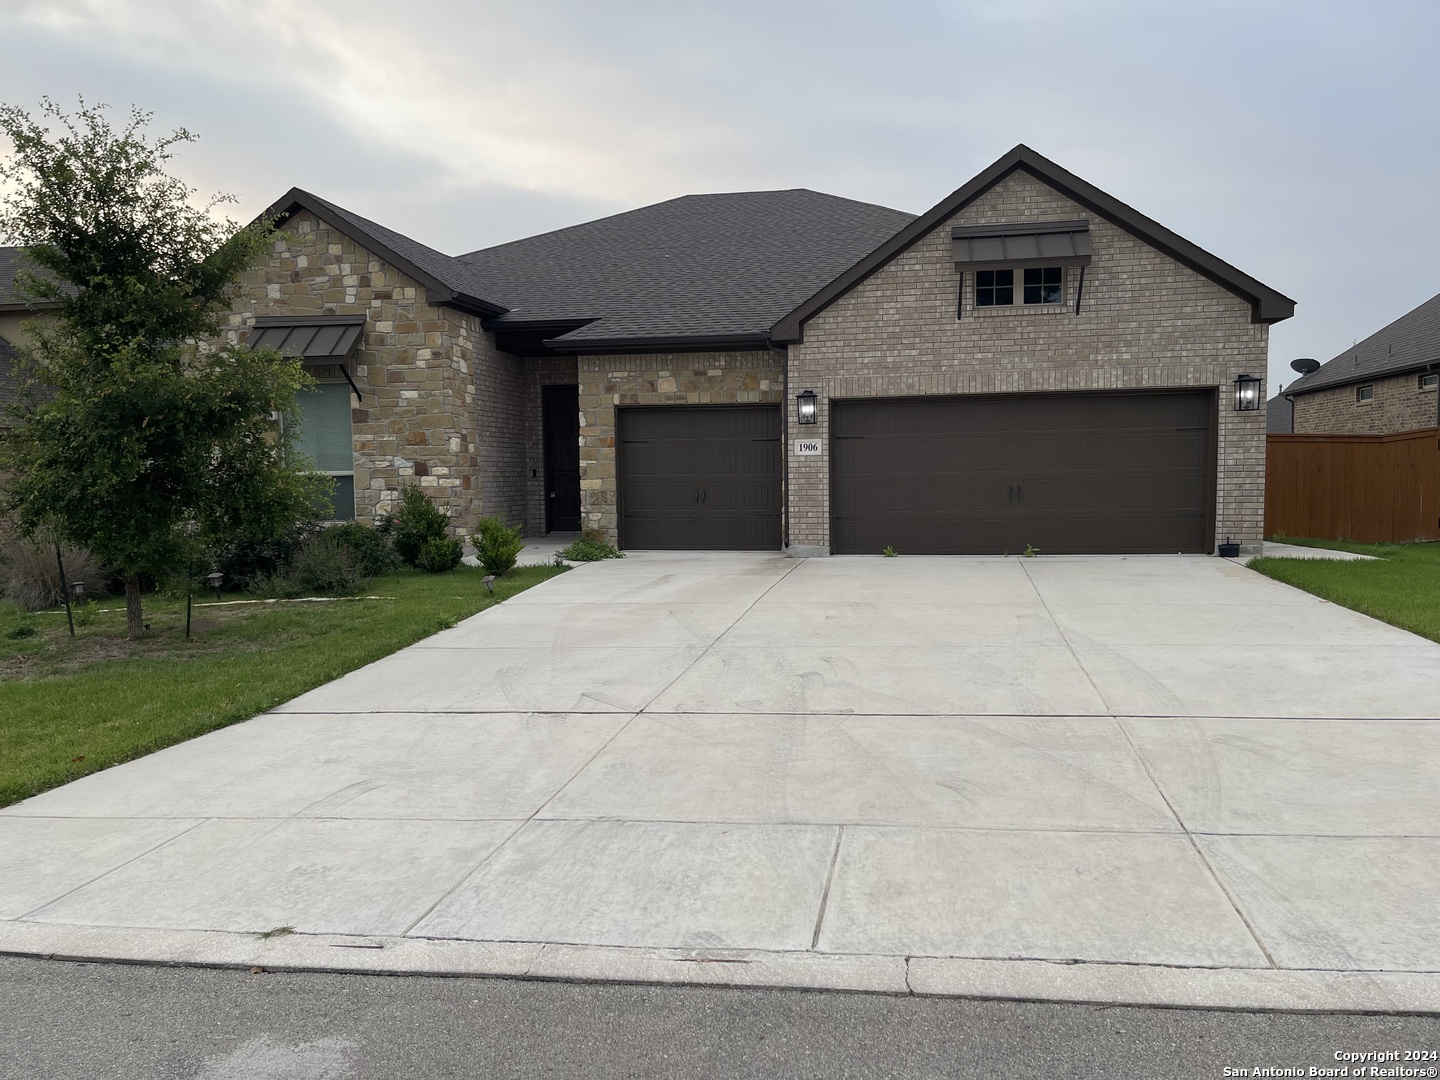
[(439, 554), (591, 547), (257, 555), (417, 521), (320, 568), (370, 551), (31, 579), (497, 546)]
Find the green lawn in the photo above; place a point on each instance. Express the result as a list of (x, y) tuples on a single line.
[(1402, 589), (70, 707)]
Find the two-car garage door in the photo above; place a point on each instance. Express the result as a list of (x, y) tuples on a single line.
[(1110, 472)]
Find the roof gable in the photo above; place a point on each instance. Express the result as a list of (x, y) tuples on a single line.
[(445, 277), (1409, 343), (1267, 305)]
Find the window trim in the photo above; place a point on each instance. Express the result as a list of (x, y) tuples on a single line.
[(1360, 398), (1017, 288)]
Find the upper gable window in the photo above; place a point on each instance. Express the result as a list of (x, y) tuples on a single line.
[(1038, 285), (1429, 381)]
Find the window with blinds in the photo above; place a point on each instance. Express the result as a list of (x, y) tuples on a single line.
[(325, 438)]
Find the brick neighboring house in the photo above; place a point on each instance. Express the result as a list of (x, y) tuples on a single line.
[(1030, 362), (1383, 385), (14, 313)]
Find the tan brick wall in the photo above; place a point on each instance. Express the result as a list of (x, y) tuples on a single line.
[(442, 406), (609, 382), (1145, 322), (1399, 405)]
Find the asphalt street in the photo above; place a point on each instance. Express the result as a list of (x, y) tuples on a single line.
[(65, 1020)]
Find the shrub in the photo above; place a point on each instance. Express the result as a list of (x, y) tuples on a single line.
[(32, 580), (257, 554), (591, 547), (321, 567), (417, 520), (370, 551), (439, 554), (497, 546)]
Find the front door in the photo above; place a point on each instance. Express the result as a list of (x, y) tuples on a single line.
[(560, 413)]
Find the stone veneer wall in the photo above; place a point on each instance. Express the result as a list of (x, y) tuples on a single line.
[(1145, 322), (699, 378), (424, 371), (1399, 405)]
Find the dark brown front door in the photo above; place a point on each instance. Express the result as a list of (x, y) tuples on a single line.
[(1077, 473), (560, 414), (700, 477)]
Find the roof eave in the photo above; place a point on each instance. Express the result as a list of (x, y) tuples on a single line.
[(440, 292), (652, 344), (1362, 377), (1267, 305)]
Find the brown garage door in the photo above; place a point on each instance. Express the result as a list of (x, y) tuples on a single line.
[(1066, 473), (700, 478)]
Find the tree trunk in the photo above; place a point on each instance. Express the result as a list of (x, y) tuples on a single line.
[(134, 617)]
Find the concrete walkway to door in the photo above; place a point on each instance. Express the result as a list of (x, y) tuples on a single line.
[(1183, 782)]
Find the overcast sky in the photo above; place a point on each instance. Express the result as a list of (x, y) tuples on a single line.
[(1297, 140)]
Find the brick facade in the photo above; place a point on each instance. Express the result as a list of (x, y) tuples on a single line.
[(697, 378), (1399, 405), (422, 369), (1145, 322)]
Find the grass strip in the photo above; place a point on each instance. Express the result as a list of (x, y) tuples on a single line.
[(69, 707)]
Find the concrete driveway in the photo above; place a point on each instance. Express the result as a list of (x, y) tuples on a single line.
[(1185, 782)]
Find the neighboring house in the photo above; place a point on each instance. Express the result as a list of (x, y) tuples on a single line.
[(14, 312), (1028, 363), (1385, 384), (1279, 415)]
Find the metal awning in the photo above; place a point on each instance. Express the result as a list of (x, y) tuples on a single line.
[(1047, 243), (316, 339)]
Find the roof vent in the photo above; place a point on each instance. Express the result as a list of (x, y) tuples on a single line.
[(1305, 365)]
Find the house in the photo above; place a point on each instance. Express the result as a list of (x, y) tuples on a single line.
[(1028, 364), (1380, 386), (14, 313), (1279, 415)]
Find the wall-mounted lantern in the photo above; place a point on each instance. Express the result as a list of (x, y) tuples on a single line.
[(1247, 393), (805, 410)]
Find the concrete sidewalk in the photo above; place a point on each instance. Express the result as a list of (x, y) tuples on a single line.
[(1121, 779)]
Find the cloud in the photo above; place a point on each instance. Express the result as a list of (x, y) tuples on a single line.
[(1282, 136)]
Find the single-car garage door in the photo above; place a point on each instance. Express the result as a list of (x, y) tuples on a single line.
[(1074, 473), (700, 477)]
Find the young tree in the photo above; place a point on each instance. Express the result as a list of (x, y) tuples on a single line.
[(137, 441)]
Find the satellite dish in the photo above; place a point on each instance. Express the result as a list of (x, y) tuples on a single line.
[(1305, 365)]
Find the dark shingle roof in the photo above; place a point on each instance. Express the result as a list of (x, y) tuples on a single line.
[(1411, 341), (700, 266), (1279, 416)]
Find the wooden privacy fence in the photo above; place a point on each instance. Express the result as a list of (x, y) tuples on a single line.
[(1366, 488)]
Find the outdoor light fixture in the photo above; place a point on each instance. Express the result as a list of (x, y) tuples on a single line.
[(77, 589), (216, 580), (1247, 393), (489, 582), (805, 407)]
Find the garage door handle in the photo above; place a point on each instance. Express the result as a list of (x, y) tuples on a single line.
[(704, 494), (1019, 493), (1010, 493)]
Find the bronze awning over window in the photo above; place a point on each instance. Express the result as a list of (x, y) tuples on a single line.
[(318, 340), (1047, 243)]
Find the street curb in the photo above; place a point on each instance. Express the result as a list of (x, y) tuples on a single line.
[(1247, 989)]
